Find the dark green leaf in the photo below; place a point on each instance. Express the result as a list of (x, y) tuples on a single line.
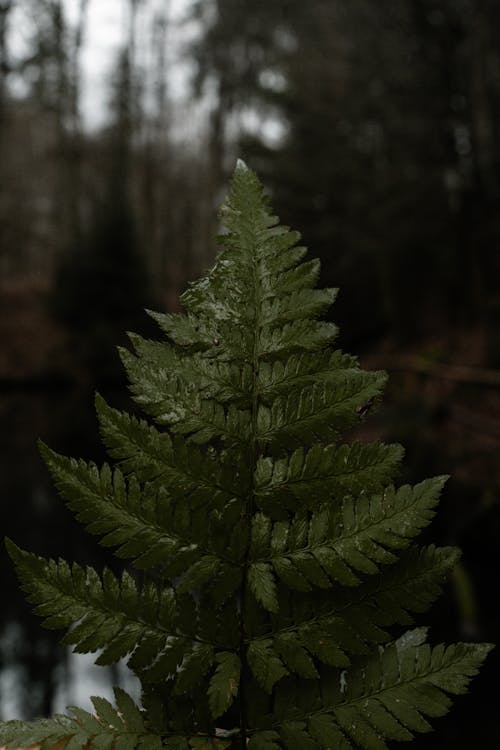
[(224, 684), (265, 664)]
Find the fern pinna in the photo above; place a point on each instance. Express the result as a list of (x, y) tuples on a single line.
[(278, 565)]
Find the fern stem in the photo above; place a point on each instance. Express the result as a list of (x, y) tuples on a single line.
[(250, 505)]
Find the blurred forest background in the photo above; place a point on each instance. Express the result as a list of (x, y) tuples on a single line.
[(375, 127)]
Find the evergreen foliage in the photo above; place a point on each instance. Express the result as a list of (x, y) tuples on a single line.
[(279, 568)]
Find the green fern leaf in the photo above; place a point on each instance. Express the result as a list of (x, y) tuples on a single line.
[(108, 728), (423, 678), (333, 631), (105, 710), (126, 515), (306, 476), (265, 664), (261, 583), (185, 407), (156, 371), (224, 684), (278, 378), (144, 523), (338, 547), (295, 656), (186, 330), (327, 733), (294, 736), (113, 616), (105, 610), (195, 665), (385, 522), (266, 740), (182, 468), (412, 585), (358, 708), (276, 560), (301, 416), (199, 573)]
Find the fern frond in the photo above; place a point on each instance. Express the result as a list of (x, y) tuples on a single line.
[(141, 521), (277, 378), (337, 546), (232, 276), (387, 697), (139, 447), (276, 562), (155, 369), (292, 337), (126, 516), (255, 244), (120, 728), (286, 549), (375, 526), (410, 586), (125, 727), (318, 411), (184, 469), (330, 632), (187, 410), (309, 477), (188, 330), (200, 414), (297, 305), (108, 611), (156, 626)]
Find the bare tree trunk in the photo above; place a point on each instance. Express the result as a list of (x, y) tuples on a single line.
[(154, 193), (74, 135), (132, 35), (75, 74), (480, 201), (482, 119), (160, 42), (134, 93), (66, 210), (5, 8)]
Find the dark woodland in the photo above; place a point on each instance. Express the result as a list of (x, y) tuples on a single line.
[(374, 127)]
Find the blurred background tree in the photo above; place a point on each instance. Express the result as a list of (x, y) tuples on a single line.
[(374, 127)]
